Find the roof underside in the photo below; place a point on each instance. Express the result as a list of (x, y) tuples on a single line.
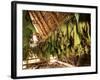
[(46, 22)]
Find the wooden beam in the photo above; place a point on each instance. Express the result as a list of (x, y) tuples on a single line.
[(66, 64), (45, 25), (42, 22), (34, 23), (44, 17), (32, 17), (39, 23), (54, 18)]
